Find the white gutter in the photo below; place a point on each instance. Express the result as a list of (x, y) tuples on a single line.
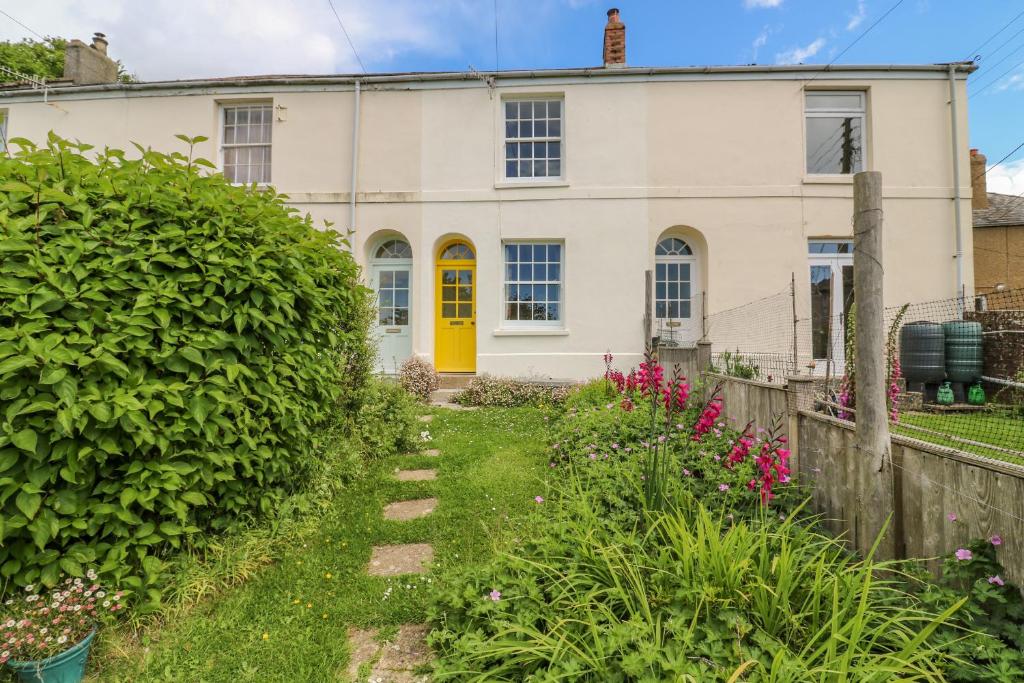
[(355, 159), (956, 182)]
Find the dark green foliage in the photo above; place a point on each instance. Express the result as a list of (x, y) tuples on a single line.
[(34, 58), (170, 346), (385, 423)]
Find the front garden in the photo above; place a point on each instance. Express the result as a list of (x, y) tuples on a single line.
[(195, 459)]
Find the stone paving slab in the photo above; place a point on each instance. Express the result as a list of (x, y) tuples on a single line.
[(395, 560), (363, 647), (430, 452), (394, 661), (416, 475), (404, 510)]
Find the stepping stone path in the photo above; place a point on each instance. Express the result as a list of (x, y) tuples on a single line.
[(397, 660), (395, 560), (394, 661), (416, 475), (405, 510)]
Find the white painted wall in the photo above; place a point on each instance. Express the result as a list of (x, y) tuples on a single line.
[(720, 161)]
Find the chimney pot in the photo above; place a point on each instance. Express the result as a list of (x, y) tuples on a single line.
[(979, 184), (99, 42), (614, 41)]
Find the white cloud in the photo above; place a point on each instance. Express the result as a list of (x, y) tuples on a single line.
[(858, 18), (1014, 82), (167, 39), (750, 4), (1007, 178), (797, 55), (761, 40)]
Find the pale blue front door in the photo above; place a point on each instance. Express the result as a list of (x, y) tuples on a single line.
[(391, 279)]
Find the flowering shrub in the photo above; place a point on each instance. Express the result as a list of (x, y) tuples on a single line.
[(505, 392), (36, 625), (419, 377)]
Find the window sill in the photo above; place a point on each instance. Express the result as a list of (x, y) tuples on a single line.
[(509, 184), (831, 179), (531, 332)]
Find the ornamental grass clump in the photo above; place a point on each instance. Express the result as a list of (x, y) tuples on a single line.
[(171, 345)]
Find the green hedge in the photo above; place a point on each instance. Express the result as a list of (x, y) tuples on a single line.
[(169, 346)]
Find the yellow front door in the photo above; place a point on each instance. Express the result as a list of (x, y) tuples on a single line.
[(455, 305)]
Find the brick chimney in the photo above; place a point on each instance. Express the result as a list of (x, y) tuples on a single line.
[(89, 64), (979, 185), (614, 41)]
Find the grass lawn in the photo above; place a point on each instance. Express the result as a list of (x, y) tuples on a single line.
[(288, 623), (999, 429)]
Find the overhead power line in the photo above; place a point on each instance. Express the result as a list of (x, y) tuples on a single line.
[(992, 37), (27, 28), (995, 80), (862, 34), (347, 36), (1012, 152)]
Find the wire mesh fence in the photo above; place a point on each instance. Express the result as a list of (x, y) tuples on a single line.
[(755, 341), (955, 372)]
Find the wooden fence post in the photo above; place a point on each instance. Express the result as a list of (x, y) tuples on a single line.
[(873, 448)]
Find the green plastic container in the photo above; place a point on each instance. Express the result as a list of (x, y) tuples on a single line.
[(964, 359), (944, 396), (67, 667), (976, 395)]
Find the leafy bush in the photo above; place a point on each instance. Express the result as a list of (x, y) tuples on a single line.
[(386, 422), (419, 377), (505, 392), (170, 346), (735, 365)]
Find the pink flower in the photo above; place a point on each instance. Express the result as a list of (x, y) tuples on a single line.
[(951, 516), (997, 580), (963, 554), (494, 595), (686, 472), (723, 487), (996, 540), (538, 499), (615, 446)]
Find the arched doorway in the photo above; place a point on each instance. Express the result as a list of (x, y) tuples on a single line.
[(677, 299), (391, 279), (455, 308)]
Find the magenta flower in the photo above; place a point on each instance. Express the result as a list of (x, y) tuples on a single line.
[(963, 554), (686, 472), (494, 595), (951, 516), (538, 499), (997, 580), (723, 487), (615, 446), (996, 540)]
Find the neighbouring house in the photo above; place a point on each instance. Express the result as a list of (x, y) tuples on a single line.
[(506, 219), (998, 234)]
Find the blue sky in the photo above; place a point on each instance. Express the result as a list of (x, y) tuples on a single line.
[(161, 39)]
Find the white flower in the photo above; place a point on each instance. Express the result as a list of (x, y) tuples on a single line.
[(425, 436), (43, 631), (28, 588), (32, 598), (10, 623), (106, 603), (62, 639), (101, 594), (91, 574)]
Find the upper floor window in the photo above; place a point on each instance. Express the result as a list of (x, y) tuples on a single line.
[(533, 138), (245, 144), (835, 132)]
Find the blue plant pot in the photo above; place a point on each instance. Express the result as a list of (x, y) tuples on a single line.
[(66, 667)]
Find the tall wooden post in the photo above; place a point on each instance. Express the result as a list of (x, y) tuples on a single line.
[(876, 496)]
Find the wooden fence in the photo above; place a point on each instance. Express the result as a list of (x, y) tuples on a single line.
[(944, 498)]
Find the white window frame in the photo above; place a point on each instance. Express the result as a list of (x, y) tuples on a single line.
[(532, 324), (504, 140), (860, 112), (222, 107)]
